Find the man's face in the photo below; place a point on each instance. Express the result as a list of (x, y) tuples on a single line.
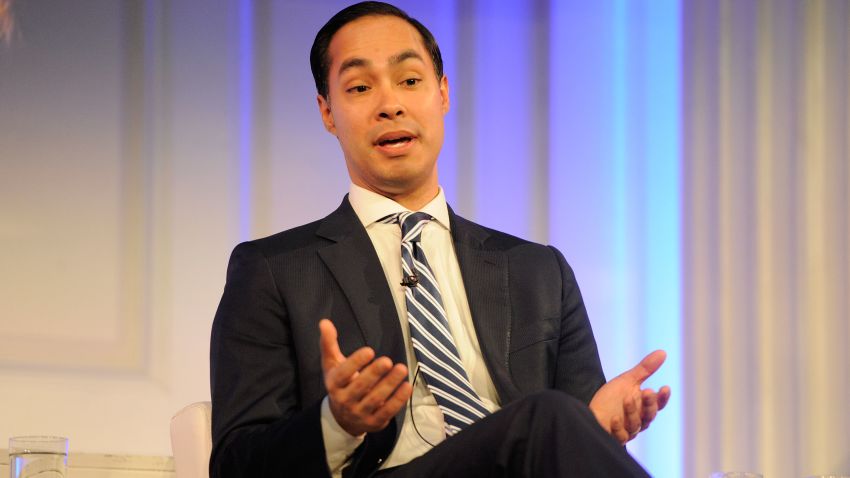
[(385, 105)]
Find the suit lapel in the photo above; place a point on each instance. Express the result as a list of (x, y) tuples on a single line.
[(485, 277), (355, 265)]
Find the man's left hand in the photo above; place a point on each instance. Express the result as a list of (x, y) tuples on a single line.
[(622, 408)]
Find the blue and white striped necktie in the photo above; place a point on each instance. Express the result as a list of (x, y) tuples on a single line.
[(433, 344)]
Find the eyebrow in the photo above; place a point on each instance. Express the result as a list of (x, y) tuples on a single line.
[(353, 63), (358, 62), (405, 55)]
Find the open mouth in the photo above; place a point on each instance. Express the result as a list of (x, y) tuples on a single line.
[(395, 142), (395, 139)]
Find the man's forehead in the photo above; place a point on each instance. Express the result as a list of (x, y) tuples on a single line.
[(375, 39), (392, 60)]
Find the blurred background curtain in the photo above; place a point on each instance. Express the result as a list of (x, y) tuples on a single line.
[(766, 95)]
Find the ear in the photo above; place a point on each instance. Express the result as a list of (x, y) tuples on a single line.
[(327, 114), (444, 93)]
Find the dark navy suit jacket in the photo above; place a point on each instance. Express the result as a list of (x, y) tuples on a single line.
[(266, 375)]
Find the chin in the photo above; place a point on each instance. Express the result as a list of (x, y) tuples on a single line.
[(399, 183), (402, 175)]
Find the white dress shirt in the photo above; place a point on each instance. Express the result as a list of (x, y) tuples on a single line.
[(436, 242)]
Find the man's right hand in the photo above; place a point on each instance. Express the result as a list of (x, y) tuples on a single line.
[(363, 394)]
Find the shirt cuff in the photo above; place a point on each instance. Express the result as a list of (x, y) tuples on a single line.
[(339, 444)]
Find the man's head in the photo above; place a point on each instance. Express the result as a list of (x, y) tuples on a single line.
[(382, 93), (319, 60)]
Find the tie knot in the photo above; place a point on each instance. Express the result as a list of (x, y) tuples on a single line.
[(412, 224)]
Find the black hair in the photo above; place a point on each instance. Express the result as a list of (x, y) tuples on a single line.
[(320, 62)]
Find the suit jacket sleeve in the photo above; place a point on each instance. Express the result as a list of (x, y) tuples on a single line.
[(259, 425), (578, 369)]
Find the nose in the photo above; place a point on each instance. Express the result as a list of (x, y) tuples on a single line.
[(390, 107)]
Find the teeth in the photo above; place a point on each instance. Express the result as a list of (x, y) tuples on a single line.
[(395, 142)]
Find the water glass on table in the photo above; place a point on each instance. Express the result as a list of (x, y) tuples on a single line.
[(38, 456)]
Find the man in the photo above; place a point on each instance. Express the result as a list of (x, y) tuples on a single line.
[(446, 349)]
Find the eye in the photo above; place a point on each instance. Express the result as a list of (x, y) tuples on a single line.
[(411, 82), (358, 89)]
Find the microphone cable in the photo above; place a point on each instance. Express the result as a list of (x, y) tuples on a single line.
[(410, 407)]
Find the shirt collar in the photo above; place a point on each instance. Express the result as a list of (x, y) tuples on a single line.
[(370, 206)]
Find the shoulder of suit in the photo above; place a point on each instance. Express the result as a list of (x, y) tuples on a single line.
[(495, 239), (301, 238), (304, 238)]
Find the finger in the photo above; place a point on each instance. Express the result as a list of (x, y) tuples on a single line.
[(381, 392), (631, 417), (392, 405), (344, 373), (648, 366), (328, 345), (663, 397), (649, 408), (361, 385), (617, 430)]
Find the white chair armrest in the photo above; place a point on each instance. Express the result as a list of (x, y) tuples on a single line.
[(191, 440)]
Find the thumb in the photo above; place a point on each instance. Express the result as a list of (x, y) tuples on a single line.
[(648, 366), (328, 345)]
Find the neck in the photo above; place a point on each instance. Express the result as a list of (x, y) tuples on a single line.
[(416, 201), (413, 200)]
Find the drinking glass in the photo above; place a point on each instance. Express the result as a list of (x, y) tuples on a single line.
[(41, 456)]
